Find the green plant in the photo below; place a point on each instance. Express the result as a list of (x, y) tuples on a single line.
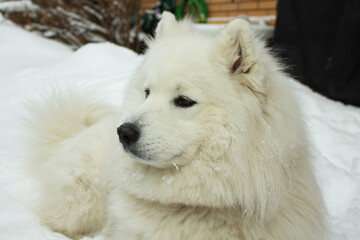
[(199, 6)]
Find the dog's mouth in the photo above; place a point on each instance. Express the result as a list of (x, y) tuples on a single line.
[(130, 137), (138, 154), (147, 158)]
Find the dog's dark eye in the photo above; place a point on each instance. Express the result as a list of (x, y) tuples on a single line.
[(147, 92), (183, 102)]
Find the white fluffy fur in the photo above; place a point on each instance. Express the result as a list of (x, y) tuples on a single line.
[(236, 165)]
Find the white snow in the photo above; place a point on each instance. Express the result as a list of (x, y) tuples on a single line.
[(30, 64), (17, 6)]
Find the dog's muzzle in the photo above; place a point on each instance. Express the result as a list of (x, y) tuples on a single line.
[(128, 135)]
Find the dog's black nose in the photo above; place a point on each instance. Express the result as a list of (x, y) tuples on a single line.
[(128, 134)]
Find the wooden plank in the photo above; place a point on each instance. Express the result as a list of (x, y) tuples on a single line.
[(246, 1), (237, 13), (258, 13), (267, 4), (248, 5), (225, 8), (222, 7), (209, 2), (272, 12), (218, 14), (233, 7)]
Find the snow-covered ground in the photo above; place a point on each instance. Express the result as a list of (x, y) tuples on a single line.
[(30, 65)]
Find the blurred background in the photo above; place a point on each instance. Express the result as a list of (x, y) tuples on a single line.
[(127, 22), (318, 41)]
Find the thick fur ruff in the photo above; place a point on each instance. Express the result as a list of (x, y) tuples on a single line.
[(233, 165), (65, 155)]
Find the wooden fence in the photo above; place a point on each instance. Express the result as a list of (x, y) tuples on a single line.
[(232, 8)]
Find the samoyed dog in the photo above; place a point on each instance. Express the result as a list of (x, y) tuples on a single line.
[(209, 144)]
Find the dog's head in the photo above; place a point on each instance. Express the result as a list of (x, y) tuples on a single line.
[(180, 90), (202, 121)]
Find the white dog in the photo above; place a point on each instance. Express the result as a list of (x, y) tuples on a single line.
[(212, 147)]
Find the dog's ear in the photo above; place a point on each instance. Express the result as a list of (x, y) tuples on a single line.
[(235, 44), (166, 23)]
